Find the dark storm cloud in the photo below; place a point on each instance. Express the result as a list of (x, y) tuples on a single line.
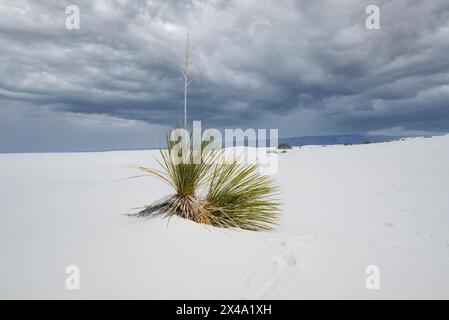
[(305, 66)]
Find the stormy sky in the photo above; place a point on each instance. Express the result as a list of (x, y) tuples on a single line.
[(305, 67)]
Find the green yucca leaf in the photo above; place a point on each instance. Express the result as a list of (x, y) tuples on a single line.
[(239, 196)]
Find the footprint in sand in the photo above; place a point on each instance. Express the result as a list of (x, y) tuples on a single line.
[(298, 241), (385, 224), (248, 280), (430, 236), (389, 246), (278, 242), (388, 224), (358, 246), (267, 286), (283, 261), (367, 247)]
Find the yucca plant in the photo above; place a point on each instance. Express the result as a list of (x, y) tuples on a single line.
[(215, 192)]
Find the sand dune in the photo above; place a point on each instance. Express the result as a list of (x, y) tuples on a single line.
[(344, 208)]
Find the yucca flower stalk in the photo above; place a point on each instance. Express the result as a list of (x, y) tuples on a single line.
[(214, 191)]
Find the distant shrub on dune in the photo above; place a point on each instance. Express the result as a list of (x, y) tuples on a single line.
[(284, 146), (366, 142)]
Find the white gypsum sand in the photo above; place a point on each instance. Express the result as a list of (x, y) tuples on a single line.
[(344, 208)]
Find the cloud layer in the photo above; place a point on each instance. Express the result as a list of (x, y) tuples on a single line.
[(306, 67)]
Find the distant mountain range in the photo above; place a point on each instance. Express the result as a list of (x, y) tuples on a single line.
[(336, 139)]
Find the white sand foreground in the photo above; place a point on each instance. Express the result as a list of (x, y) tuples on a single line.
[(344, 208)]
